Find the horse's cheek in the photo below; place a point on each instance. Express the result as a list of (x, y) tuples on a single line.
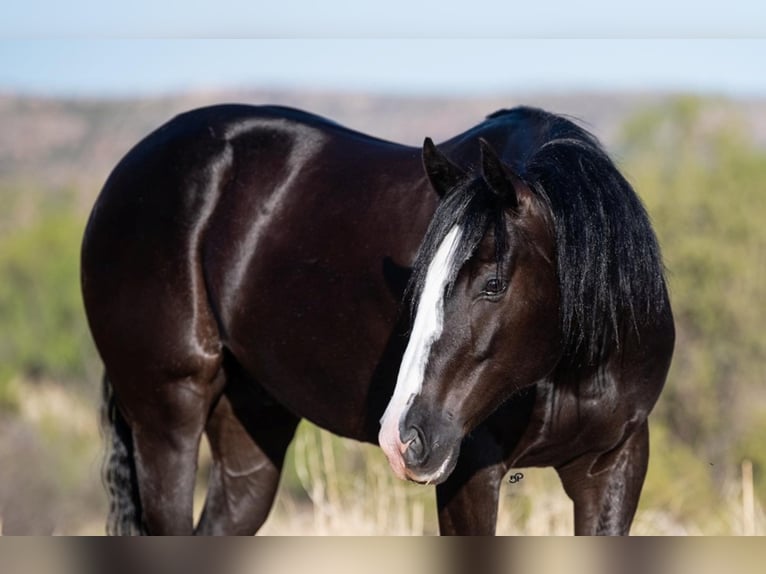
[(483, 325)]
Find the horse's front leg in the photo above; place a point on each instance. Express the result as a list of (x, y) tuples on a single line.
[(467, 501), (605, 488)]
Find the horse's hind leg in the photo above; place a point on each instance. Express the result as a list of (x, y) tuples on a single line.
[(248, 435), (166, 429), (605, 488)]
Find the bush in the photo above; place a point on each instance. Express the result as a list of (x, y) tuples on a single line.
[(41, 313), (702, 180)]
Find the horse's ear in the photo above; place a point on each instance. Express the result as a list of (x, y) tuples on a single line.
[(499, 177), (442, 173)]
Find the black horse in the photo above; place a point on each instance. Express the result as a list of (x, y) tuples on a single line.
[(244, 267)]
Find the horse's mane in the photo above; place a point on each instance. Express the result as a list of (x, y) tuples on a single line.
[(609, 265)]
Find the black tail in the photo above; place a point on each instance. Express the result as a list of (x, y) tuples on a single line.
[(119, 470)]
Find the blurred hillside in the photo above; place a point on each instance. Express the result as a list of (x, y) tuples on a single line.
[(698, 164), (53, 143)]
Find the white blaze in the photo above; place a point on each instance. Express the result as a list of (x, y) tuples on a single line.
[(429, 322)]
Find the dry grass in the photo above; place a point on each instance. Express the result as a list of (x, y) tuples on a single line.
[(368, 500)]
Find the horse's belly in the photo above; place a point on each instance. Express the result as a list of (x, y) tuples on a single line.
[(317, 348), (310, 319)]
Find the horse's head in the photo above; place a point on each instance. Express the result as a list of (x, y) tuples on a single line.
[(486, 313)]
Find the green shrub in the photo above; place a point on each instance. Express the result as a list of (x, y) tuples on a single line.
[(42, 322)]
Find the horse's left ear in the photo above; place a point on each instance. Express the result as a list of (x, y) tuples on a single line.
[(499, 177), (442, 173)]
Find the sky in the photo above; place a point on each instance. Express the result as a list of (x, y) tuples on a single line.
[(144, 47)]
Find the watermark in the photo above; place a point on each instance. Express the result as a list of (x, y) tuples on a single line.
[(514, 478)]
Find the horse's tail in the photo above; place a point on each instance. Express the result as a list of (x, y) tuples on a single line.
[(119, 469)]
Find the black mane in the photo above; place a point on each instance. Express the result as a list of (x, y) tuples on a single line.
[(609, 265)]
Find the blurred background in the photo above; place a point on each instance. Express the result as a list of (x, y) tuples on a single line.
[(684, 119)]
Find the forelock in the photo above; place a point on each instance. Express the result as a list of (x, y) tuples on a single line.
[(472, 206)]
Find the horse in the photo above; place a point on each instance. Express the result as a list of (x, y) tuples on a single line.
[(497, 301)]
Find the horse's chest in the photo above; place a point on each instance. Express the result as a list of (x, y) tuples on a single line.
[(567, 420)]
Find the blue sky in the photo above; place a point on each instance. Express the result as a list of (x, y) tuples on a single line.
[(389, 18), (460, 67), (96, 48)]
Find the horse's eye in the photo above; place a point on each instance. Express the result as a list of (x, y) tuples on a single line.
[(494, 286)]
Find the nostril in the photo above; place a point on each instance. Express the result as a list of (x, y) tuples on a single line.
[(417, 446), (416, 451)]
